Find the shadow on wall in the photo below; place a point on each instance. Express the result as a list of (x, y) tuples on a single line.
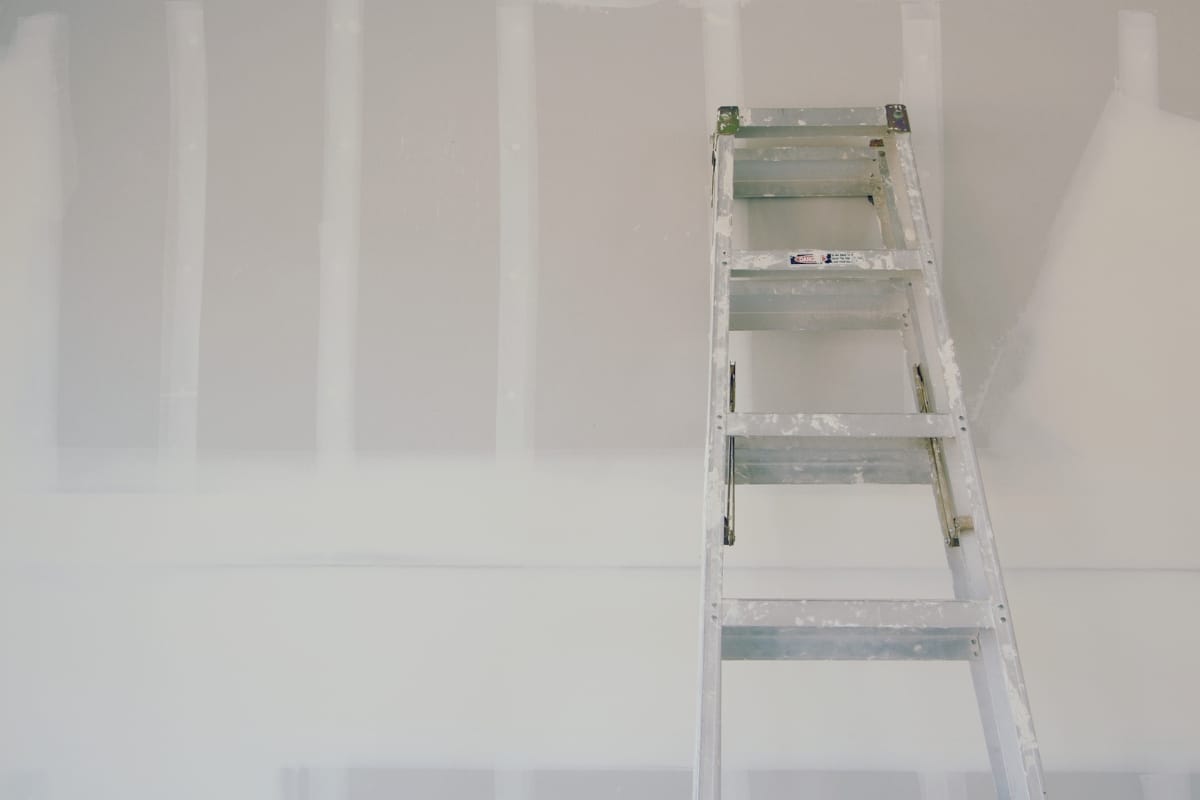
[(1096, 394), (1098, 369)]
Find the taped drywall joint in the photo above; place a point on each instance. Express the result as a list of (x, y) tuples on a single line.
[(516, 347), (183, 284), (1137, 56), (340, 235)]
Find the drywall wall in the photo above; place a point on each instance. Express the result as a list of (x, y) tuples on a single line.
[(31, 211), (430, 607), (1092, 397)]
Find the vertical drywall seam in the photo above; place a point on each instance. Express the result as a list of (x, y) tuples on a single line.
[(36, 57), (316, 783), (1165, 786), (509, 784), (736, 784), (340, 233), (943, 786), (1137, 56), (721, 30), (921, 91), (183, 278), (516, 339)]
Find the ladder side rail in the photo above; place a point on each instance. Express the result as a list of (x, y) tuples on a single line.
[(974, 565), (999, 669), (910, 335), (991, 706), (890, 228), (707, 773), (967, 583), (892, 232), (922, 344), (917, 346)]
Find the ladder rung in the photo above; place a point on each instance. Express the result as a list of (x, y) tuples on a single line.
[(815, 321), (823, 263), (852, 629), (762, 150), (948, 615), (793, 122), (761, 644), (786, 460), (894, 426), (777, 301), (756, 177), (842, 290)]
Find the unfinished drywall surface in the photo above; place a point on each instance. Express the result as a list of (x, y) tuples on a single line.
[(1015, 132), (113, 232), (1110, 325), (1094, 395), (429, 610), (623, 224)]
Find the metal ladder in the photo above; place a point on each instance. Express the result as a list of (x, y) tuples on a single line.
[(849, 152)]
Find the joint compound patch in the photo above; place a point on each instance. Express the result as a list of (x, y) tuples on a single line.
[(824, 257), (950, 370)]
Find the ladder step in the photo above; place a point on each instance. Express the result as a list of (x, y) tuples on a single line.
[(817, 321), (831, 460), (754, 176), (820, 297), (855, 630), (823, 263), (763, 150), (812, 122), (894, 426)]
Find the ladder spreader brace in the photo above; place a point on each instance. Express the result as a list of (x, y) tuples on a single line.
[(848, 152)]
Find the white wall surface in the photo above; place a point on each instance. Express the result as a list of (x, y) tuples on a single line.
[(434, 613)]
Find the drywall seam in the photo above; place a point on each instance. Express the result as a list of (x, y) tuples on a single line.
[(512, 784), (1137, 56), (1163, 786), (183, 279), (721, 27), (516, 344), (943, 785), (921, 91), (721, 30), (327, 784), (340, 232), (736, 784), (33, 89)]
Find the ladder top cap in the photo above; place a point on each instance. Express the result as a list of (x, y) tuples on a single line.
[(806, 122)]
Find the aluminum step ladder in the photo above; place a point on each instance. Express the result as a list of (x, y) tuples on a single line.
[(849, 152)]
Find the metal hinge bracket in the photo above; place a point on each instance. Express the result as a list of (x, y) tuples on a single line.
[(732, 387), (730, 537), (937, 459), (897, 118)]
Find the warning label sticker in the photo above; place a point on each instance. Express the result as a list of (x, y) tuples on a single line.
[(824, 257)]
